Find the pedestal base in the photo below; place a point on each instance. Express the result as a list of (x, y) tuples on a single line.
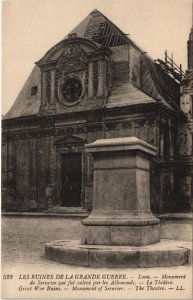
[(120, 228), (121, 235), (163, 254)]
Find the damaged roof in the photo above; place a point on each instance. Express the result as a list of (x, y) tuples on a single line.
[(99, 29)]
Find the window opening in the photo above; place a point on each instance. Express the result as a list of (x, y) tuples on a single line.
[(34, 90)]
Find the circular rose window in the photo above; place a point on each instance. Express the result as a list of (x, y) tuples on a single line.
[(71, 90)]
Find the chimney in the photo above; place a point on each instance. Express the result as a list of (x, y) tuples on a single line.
[(72, 35), (190, 50), (190, 47)]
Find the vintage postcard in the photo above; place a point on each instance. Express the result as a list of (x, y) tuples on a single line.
[(97, 164)]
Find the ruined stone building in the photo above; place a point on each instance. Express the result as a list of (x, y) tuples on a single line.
[(96, 83)]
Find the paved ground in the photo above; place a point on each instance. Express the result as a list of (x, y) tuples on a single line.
[(23, 240)]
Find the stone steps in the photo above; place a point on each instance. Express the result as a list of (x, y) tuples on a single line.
[(68, 211), (163, 254)]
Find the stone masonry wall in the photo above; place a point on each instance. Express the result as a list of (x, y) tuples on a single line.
[(36, 169)]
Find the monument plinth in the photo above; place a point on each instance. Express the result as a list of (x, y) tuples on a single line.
[(121, 212), (121, 230)]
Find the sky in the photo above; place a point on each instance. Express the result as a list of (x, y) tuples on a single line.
[(31, 27)]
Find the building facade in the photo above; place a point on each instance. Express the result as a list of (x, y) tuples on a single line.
[(96, 83)]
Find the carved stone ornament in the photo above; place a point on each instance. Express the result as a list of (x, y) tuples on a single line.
[(73, 59)]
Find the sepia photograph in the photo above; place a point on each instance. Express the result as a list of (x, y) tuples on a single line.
[(97, 149)]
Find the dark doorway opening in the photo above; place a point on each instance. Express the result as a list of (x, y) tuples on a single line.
[(71, 179)]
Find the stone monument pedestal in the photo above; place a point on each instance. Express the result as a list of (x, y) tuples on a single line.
[(121, 212), (121, 230)]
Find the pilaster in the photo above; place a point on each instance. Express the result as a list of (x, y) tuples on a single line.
[(90, 81), (52, 87), (44, 88), (101, 78)]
